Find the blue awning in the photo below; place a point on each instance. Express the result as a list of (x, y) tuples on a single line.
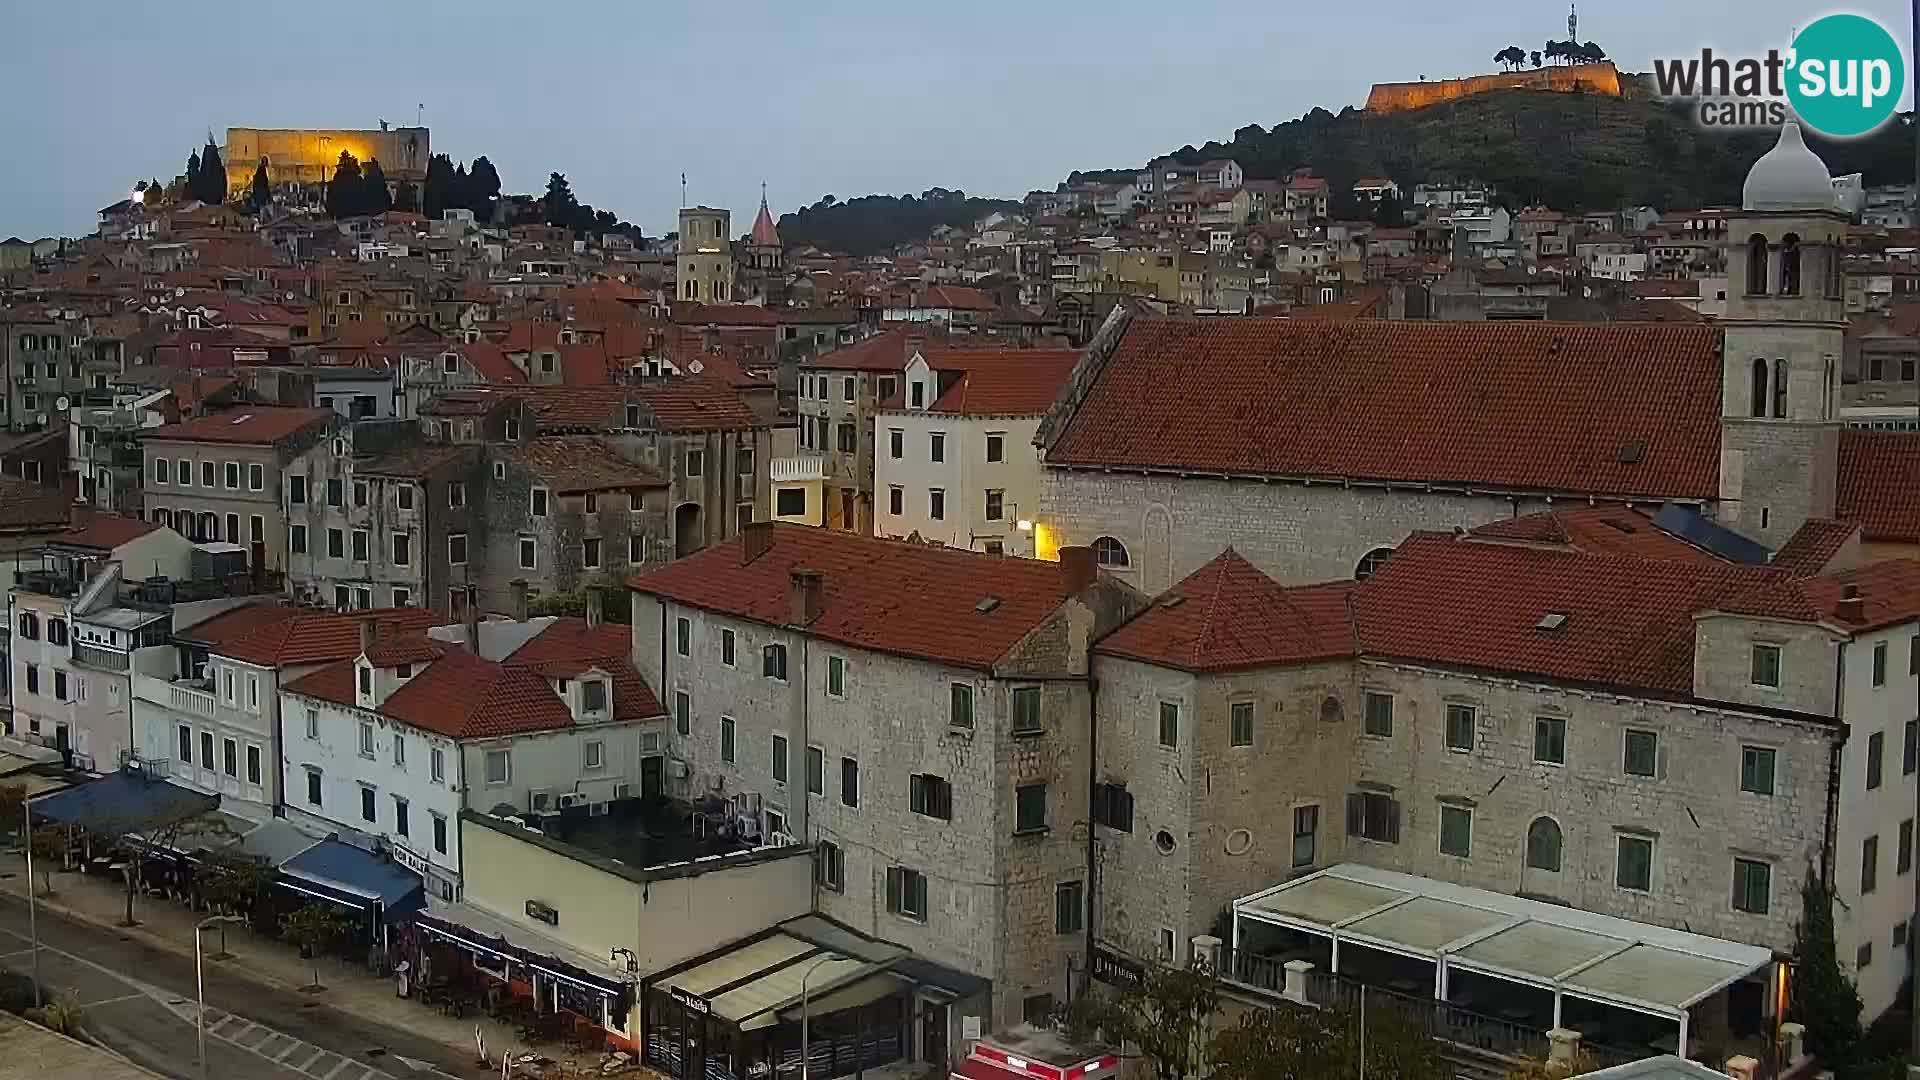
[(332, 870), (127, 802)]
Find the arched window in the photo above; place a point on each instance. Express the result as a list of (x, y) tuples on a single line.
[(1371, 563), (1780, 389), (1756, 265), (1790, 265), (1759, 404), (1543, 845), (1111, 553)]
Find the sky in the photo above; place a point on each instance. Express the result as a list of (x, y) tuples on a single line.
[(849, 98)]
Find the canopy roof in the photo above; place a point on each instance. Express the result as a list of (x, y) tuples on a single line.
[(1598, 957)]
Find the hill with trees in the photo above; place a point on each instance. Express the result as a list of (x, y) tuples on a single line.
[(877, 223)]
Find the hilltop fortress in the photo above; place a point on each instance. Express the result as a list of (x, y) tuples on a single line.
[(308, 155), (1600, 78)]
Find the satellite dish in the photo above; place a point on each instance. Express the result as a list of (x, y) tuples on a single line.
[(60, 403), (696, 367)]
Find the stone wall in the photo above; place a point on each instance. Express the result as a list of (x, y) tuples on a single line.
[(1601, 78), (308, 155)]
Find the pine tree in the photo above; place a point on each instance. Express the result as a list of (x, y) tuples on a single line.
[(343, 190), (485, 188), (213, 176), (262, 193), (437, 194), (374, 196), (461, 191), (193, 175), (558, 203), (407, 198), (1824, 999)]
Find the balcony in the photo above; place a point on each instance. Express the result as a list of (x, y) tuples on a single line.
[(102, 659), (47, 583), (800, 467)]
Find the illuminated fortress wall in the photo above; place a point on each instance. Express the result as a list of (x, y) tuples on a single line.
[(308, 155), (1601, 78)]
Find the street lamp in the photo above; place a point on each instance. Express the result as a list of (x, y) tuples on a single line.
[(806, 1011), (199, 983), (33, 906)]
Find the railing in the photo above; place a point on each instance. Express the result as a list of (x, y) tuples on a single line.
[(94, 656), (797, 468), (47, 582), (188, 700)]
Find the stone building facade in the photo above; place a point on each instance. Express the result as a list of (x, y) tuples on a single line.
[(219, 477)]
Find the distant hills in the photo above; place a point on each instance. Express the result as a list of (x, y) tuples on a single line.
[(876, 223)]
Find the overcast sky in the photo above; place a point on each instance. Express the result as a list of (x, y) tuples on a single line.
[(992, 96)]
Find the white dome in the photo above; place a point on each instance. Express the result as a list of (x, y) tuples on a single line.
[(1788, 177)]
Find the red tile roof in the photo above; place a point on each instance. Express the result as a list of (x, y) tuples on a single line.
[(885, 351), (1880, 484), (1613, 409), (1889, 593), (569, 644), (680, 404), (1613, 530), (256, 425), (27, 506), (1012, 382), (458, 695), (105, 532), (1813, 545), (274, 635), (570, 463), (957, 297), (1227, 615), (887, 595)]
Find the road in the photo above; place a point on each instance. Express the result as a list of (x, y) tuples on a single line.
[(139, 1000)]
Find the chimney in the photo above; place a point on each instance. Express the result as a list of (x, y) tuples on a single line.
[(806, 596), (369, 630), (473, 618), (518, 590), (755, 540), (1077, 570), (596, 596), (1851, 607), (710, 338)]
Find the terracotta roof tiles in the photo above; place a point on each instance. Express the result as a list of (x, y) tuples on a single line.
[(257, 425), (275, 635), (1227, 615), (1880, 484), (1813, 545), (105, 531), (570, 463)]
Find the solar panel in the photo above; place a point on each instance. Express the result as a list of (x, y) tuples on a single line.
[(1687, 524)]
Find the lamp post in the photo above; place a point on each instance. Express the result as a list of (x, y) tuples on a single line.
[(33, 906), (199, 984), (806, 1011)]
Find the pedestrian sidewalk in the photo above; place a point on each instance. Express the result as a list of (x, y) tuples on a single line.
[(167, 925)]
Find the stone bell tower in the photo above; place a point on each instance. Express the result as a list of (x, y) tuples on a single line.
[(1785, 332)]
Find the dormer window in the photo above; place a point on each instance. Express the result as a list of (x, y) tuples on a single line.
[(366, 680), (593, 696)]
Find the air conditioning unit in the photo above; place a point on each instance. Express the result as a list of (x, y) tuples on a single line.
[(678, 769), (780, 839), (569, 800)]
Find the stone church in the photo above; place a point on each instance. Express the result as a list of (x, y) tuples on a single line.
[(1313, 448)]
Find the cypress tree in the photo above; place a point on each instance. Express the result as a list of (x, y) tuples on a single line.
[(1824, 999), (193, 175), (374, 196), (262, 193), (343, 190), (213, 176)]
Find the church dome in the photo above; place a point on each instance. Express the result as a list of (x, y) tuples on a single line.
[(1788, 177)]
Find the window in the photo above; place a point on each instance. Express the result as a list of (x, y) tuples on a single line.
[(256, 477), (333, 492), (816, 771), (437, 765), (1633, 863), (1371, 562), (830, 866), (499, 766), (1550, 740), (400, 823), (779, 759), (402, 549), (1756, 265), (538, 507), (56, 631), (937, 504), (313, 786), (313, 723), (683, 712), (896, 443), (590, 553), (773, 662), (1456, 830), (399, 739), (186, 744), (60, 694), (1030, 808), (1025, 706), (336, 544), (849, 439), (160, 470), (440, 834), (297, 539), (366, 726), (457, 549), (1306, 833), (1169, 724), (726, 647), (1110, 553), (1903, 849), (367, 796), (359, 493), (1780, 389), (1377, 713), (1068, 903), (1642, 752), (1752, 884), (930, 795), (960, 705), (527, 553), (1766, 665), (726, 739), (1543, 845), (253, 765), (403, 496), (1372, 815), (1113, 806), (907, 893), (1790, 265), (1909, 746), (996, 447), (231, 474), (1880, 663), (917, 393), (233, 528), (1869, 864), (849, 782), (1460, 727), (593, 695), (790, 502), (1756, 769), (1876, 752), (836, 676), (297, 490)]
